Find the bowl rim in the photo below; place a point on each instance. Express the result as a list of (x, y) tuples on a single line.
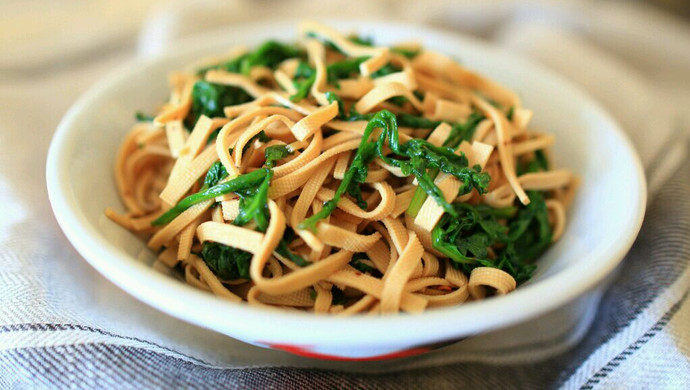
[(200, 308)]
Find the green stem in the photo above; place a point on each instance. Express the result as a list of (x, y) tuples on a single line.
[(284, 251), (419, 197), (239, 183), (381, 120)]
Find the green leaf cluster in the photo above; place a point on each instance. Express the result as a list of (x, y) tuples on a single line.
[(210, 99), (518, 236), (415, 157), (270, 53), (227, 262)]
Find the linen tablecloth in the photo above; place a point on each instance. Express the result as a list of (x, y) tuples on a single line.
[(62, 325)]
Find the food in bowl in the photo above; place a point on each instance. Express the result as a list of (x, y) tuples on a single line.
[(341, 177)]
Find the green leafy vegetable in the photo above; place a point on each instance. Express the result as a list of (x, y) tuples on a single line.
[(254, 204), (459, 132), (510, 113), (418, 122), (352, 38), (237, 184), (260, 136), (226, 262), (141, 117), (343, 69), (422, 156), (284, 251), (538, 164), (232, 263), (275, 153), (339, 297), (385, 70), (254, 200), (363, 267), (269, 54), (417, 157), (210, 99), (398, 100), (463, 131), (466, 238), (341, 106), (303, 70), (540, 156), (403, 119), (352, 115), (357, 172), (304, 79), (215, 174), (419, 197), (305, 75), (405, 52), (233, 66), (530, 231), (364, 41)]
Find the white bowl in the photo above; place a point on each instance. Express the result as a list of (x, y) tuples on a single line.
[(603, 222)]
